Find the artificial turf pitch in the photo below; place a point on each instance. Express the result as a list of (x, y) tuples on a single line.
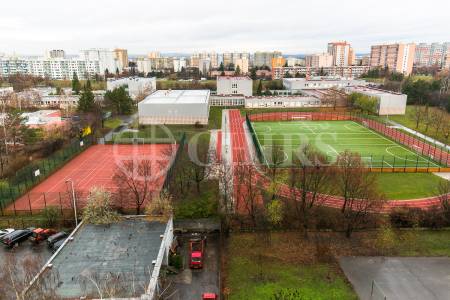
[(334, 137)]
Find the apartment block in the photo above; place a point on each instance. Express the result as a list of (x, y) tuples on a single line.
[(278, 62), (320, 60), (121, 55), (261, 59), (435, 54), (342, 52), (396, 57)]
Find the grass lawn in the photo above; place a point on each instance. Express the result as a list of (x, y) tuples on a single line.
[(400, 186), (395, 186), (408, 121), (112, 123), (215, 117), (256, 270), (96, 85)]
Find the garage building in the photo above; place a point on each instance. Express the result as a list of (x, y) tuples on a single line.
[(175, 107)]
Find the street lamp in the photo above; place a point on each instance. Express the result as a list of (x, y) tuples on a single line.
[(74, 200)]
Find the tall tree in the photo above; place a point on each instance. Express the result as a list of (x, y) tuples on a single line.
[(259, 89), (237, 72), (76, 85), (119, 100), (309, 181), (358, 187), (86, 102)]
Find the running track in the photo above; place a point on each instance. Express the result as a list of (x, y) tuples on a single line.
[(240, 153)]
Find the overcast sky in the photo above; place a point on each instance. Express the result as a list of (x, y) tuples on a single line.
[(295, 26)]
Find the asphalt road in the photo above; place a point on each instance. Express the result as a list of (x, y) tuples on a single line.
[(400, 278), (191, 284)]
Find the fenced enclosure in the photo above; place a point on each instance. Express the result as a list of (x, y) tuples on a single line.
[(383, 148), (37, 171)]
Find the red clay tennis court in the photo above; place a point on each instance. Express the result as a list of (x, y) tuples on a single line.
[(95, 166)]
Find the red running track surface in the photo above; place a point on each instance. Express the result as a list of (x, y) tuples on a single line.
[(219, 146), (96, 166)]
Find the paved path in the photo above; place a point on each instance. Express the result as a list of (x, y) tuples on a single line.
[(400, 278), (420, 135)]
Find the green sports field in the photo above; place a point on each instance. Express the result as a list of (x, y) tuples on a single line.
[(334, 137)]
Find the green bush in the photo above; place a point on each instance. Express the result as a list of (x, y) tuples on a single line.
[(176, 261), (50, 214)]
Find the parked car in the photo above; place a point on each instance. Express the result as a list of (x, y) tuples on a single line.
[(17, 237), (40, 234), (56, 245), (209, 296), (196, 249), (6, 231), (55, 238)]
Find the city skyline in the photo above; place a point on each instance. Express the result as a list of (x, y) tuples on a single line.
[(187, 27)]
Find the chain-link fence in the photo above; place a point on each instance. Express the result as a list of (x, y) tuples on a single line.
[(425, 157), (37, 171)]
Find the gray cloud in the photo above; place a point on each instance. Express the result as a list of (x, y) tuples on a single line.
[(30, 27)]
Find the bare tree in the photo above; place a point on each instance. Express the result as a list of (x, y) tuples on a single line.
[(16, 275), (136, 181), (309, 180), (358, 187), (417, 115), (248, 190), (98, 208)]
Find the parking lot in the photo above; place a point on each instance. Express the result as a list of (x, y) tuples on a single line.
[(191, 284)]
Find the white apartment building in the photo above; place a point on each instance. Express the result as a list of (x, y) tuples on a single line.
[(144, 65), (317, 83), (54, 65), (134, 85), (234, 85), (294, 61), (106, 58), (261, 59)]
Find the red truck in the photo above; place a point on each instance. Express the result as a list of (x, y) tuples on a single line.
[(196, 247)]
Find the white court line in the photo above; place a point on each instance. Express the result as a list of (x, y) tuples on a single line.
[(397, 144)]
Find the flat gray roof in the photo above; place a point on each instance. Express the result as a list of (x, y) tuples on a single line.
[(177, 96), (125, 249)]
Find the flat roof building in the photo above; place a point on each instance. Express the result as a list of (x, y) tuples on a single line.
[(234, 85), (136, 86), (389, 103), (128, 254), (175, 107), (315, 83)]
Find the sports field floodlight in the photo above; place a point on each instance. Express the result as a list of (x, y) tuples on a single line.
[(74, 200)]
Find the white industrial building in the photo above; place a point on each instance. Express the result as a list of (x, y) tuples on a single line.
[(234, 85), (282, 101), (135, 85), (389, 103), (316, 83), (175, 107), (227, 100)]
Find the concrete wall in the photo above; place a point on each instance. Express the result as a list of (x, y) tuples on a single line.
[(235, 86), (391, 104)]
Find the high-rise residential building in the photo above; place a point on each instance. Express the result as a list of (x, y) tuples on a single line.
[(435, 54), (55, 54), (212, 56), (121, 56), (320, 60), (242, 63), (261, 59), (154, 54), (179, 63), (204, 65), (278, 62), (144, 65), (228, 58), (106, 58), (396, 57), (342, 52)]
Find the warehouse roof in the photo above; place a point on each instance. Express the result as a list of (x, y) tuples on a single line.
[(178, 97)]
